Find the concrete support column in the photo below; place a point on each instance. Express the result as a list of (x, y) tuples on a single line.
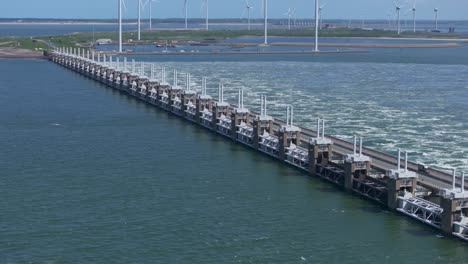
[(235, 120), (393, 189), (218, 110), (184, 98), (449, 206), (349, 175), (283, 143), (320, 152), (398, 187), (216, 114), (313, 156), (356, 168), (259, 127)]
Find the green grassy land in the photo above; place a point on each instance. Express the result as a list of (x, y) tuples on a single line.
[(23, 43), (86, 39)]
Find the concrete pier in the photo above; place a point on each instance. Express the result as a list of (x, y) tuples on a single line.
[(365, 172)]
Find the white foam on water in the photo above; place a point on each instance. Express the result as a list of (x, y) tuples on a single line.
[(391, 105)]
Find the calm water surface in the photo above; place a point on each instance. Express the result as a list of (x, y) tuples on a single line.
[(92, 176)]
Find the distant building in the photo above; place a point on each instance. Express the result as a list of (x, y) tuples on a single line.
[(103, 41)]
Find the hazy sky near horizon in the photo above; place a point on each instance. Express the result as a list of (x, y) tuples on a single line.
[(341, 9)]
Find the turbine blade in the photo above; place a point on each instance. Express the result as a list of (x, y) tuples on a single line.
[(124, 6), (324, 4), (144, 5)]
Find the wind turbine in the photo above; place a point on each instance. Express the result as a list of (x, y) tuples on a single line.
[(320, 14), (390, 20), (398, 9), (121, 4), (294, 17), (139, 19), (414, 15), (436, 13), (150, 2), (248, 7), (120, 25), (186, 13), (265, 14), (289, 13), (316, 24), (205, 3)]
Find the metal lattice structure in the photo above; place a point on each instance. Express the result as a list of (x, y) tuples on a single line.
[(422, 210), (330, 173), (269, 144), (224, 125), (371, 190), (297, 156), (245, 134)]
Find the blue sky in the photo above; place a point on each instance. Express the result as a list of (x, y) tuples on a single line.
[(343, 9)]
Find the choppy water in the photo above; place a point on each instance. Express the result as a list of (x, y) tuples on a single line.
[(420, 107), (90, 175)]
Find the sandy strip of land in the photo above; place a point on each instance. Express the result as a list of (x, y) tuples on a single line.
[(63, 23), (404, 38), (371, 45), (342, 45), (15, 53), (260, 52)]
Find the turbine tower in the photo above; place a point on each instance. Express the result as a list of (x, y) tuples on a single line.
[(436, 14), (120, 25), (289, 14), (139, 19), (320, 14), (265, 14), (150, 2), (207, 23), (414, 16), (294, 17), (398, 9), (248, 7), (186, 13), (316, 24)]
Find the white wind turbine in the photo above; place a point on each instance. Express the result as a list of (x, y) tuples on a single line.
[(265, 14), (139, 18), (289, 14), (247, 9), (294, 17), (414, 15), (316, 24), (120, 24), (398, 9), (320, 14), (207, 23), (186, 13), (120, 5), (150, 2), (436, 21)]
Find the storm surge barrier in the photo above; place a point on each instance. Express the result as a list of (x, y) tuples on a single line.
[(430, 196)]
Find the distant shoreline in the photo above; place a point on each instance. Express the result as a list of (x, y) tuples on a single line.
[(63, 23), (16, 53)]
